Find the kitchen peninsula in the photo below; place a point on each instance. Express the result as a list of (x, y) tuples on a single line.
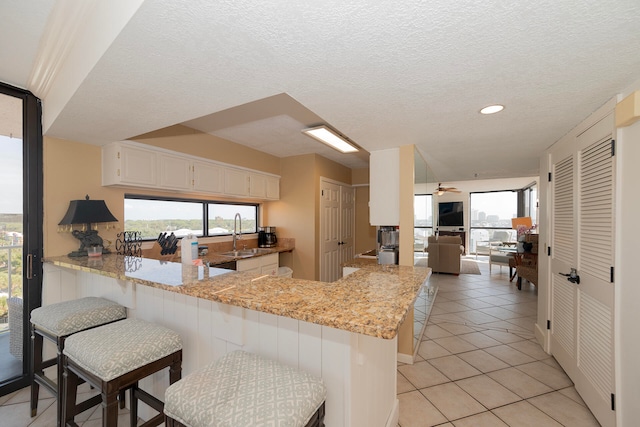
[(344, 332)]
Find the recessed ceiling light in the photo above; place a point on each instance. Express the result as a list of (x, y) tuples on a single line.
[(492, 109), (331, 138)]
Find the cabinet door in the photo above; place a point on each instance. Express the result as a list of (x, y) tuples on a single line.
[(258, 186), (252, 265), (273, 188), (208, 177), (270, 269), (174, 172), (137, 166), (236, 182)]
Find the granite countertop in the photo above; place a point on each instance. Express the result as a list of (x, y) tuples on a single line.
[(373, 301)]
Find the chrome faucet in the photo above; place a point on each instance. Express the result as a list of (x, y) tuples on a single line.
[(236, 236)]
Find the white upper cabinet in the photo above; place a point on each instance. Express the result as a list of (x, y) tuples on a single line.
[(236, 182), (273, 188), (131, 164), (208, 177), (174, 172), (257, 186), (384, 187), (128, 165)]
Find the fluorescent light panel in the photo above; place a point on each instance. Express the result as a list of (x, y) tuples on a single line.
[(492, 109), (329, 137)]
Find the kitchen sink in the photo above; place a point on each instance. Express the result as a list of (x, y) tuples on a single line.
[(246, 253)]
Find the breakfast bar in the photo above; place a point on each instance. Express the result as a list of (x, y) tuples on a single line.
[(344, 332)]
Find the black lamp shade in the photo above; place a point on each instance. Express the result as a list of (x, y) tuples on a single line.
[(87, 212)]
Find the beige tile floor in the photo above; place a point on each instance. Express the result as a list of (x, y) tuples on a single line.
[(479, 364), (14, 410)]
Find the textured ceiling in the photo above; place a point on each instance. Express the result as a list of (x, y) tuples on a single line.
[(384, 73)]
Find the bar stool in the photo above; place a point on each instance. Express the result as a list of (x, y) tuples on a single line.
[(56, 322), (244, 389), (113, 358)]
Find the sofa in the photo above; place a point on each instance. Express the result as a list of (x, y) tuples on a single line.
[(444, 254)]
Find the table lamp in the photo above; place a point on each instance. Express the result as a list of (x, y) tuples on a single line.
[(86, 212)]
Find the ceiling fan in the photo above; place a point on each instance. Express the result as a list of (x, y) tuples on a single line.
[(440, 190)]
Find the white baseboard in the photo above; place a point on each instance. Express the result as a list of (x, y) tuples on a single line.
[(542, 337), (394, 417), (405, 358)]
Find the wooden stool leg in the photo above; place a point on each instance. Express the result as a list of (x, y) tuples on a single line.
[(121, 398), (70, 389), (36, 368), (60, 373), (175, 371), (110, 409), (133, 403)]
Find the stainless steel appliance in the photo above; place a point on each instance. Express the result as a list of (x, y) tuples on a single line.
[(388, 243), (267, 237)]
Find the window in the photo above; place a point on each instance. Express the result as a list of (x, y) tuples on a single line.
[(423, 220), (491, 215), (152, 216)]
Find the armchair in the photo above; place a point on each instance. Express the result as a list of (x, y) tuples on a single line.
[(444, 254)]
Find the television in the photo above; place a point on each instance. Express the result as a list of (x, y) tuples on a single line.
[(450, 214)]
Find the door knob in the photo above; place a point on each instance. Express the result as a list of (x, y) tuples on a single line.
[(572, 276)]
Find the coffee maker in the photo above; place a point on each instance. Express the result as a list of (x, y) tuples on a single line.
[(388, 242), (267, 237)]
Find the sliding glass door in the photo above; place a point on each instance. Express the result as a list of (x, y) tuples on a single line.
[(20, 230)]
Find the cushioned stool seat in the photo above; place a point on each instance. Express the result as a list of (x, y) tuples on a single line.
[(244, 389), (56, 322), (114, 358)]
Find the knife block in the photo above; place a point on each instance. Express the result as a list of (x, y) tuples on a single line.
[(155, 253)]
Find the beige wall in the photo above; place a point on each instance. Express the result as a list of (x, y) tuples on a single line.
[(297, 214), (294, 214), (365, 233), (71, 171)]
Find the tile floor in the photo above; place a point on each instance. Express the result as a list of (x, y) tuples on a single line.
[(479, 364), (14, 410)]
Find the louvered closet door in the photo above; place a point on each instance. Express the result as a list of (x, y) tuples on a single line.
[(582, 238)]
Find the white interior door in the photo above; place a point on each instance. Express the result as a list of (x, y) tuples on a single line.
[(582, 230), (337, 228), (329, 231)]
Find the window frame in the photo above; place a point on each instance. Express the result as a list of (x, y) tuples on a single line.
[(205, 211), (428, 229)]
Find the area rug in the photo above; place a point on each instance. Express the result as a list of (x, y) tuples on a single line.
[(468, 266)]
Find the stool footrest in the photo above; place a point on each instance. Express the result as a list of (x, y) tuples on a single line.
[(46, 383), (150, 400), (89, 403), (49, 363)]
